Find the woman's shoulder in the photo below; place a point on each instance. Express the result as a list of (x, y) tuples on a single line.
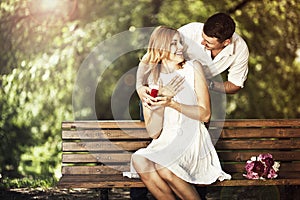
[(188, 67), (192, 64), (194, 67)]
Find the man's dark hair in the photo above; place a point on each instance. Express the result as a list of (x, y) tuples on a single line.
[(220, 26)]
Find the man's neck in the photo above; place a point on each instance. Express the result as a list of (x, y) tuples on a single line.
[(214, 53)]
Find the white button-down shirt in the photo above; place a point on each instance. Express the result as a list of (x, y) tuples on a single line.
[(233, 57)]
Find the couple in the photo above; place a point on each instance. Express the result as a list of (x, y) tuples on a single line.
[(181, 153)]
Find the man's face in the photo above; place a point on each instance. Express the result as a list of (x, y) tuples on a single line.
[(211, 43)]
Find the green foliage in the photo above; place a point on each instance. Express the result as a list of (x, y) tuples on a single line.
[(183, 12), (8, 183), (41, 53), (270, 29)]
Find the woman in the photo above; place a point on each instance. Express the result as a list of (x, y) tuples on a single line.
[(181, 152)]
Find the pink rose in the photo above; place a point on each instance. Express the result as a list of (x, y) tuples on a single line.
[(251, 175), (272, 173), (265, 155), (267, 159), (249, 166), (261, 167), (258, 167)]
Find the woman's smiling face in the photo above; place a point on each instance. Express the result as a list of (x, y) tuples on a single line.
[(176, 48)]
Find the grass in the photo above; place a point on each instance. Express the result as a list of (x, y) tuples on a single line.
[(8, 183), (44, 188)]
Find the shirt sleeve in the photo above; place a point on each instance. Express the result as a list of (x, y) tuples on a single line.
[(238, 71), (192, 36), (140, 74)]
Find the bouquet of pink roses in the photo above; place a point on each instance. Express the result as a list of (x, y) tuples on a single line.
[(262, 167)]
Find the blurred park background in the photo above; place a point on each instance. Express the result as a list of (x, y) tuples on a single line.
[(44, 42)]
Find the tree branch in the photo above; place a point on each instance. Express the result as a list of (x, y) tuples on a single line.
[(239, 6)]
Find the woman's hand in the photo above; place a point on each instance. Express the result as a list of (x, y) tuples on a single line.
[(161, 102), (172, 88), (166, 93), (144, 94)]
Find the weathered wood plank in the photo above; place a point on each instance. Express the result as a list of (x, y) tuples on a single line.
[(256, 123), (243, 156), (111, 124), (233, 156), (240, 167), (221, 144), (113, 170), (96, 181), (260, 133), (118, 169), (103, 146), (216, 123), (258, 144), (106, 134), (142, 133), (97, 158)]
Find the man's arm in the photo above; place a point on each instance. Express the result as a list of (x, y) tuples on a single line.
[(140, 75), (226, 87), (142, 90), (238, 71)]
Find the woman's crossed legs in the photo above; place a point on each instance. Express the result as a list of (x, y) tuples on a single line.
[(161, 182)]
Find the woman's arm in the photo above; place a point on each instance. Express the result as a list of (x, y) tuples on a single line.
[(153, 120), (143, 91)]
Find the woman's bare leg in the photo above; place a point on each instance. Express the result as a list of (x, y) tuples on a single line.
[(182, 189), (155, 184)]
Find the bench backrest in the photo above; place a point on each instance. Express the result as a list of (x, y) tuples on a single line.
[(105, 147)]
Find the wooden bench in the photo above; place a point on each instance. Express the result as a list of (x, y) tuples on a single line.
[(95, 153)]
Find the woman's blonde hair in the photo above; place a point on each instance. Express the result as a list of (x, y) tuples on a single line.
[(158, 49)]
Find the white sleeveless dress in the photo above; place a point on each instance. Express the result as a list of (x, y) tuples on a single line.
[(184, 146)]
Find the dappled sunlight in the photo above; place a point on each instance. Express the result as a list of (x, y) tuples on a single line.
[(44, 44), (50, 12)]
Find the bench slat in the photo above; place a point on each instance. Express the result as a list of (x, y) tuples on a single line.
[(240, 167), (261, 133), (104, 146), (256, 123), (221, 144), (142, 133), (106, 134), (215, 123), (126, 156), (97, 158), (246, 155), (258, 144), (118, 169), (103, 124), (96, 181)]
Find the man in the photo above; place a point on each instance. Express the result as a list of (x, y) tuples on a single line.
[(218, 48)]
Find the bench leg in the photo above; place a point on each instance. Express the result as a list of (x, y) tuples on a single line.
[(103, 193)]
